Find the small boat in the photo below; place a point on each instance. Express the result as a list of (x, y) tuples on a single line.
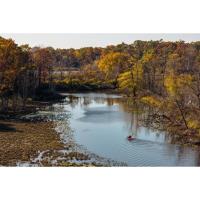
[(130, 137)]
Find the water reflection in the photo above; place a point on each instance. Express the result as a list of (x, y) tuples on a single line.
[(101, 123)]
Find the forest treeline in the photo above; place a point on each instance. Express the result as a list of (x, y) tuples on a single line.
[(164, 75)]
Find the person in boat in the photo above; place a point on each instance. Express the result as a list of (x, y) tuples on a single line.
[(130, 137)]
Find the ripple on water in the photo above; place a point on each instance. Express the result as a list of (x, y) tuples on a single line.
[(101, 123)]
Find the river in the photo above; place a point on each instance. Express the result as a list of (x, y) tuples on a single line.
[(101, 123)]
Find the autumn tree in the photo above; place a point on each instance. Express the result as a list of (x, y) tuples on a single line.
[(112, 64), (14, 61), (44, 60), (176, 86), (131, 80)]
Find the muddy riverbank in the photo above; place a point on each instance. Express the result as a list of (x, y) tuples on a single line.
[(21, 141)]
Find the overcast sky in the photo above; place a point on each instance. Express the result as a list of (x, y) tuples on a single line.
[(95, 40)]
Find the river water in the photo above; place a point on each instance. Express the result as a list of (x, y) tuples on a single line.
[(101, 123)]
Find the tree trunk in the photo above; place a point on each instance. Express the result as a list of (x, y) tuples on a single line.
[(182, 114)]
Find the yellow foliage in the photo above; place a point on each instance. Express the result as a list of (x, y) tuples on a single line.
[(147, 56), (194, 124), (153, 101), (173, 83), (132, 78), (113, 63), (124, 81)]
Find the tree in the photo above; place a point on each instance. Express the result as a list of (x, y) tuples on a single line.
[(131, 80), (44, 59), (112, 64), (14, 61), (176, 86)]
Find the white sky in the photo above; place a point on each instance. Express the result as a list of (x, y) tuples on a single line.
[(75, 40)]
